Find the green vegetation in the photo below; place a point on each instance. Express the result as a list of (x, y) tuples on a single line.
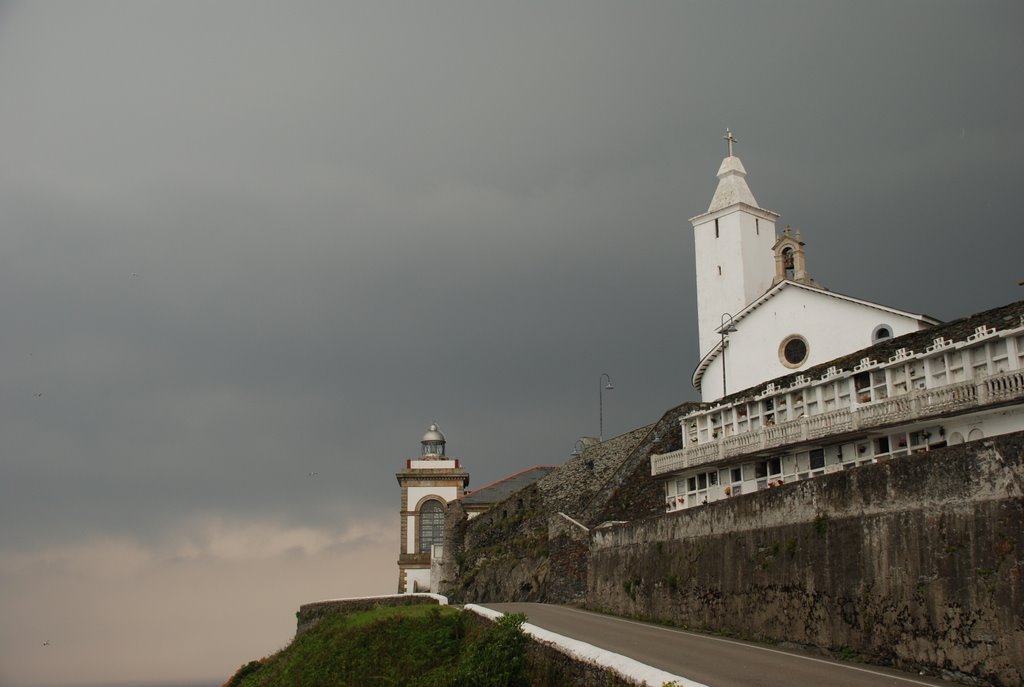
[(406, 645)]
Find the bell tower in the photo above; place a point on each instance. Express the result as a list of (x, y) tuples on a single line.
[(428, 483), (790, 259), (733, 243)]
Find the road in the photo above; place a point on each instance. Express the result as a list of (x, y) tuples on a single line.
[(714, 661)]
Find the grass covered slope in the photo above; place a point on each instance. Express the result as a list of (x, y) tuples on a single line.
[(418, 646)]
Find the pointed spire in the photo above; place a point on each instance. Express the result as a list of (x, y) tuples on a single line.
[(732, 182)]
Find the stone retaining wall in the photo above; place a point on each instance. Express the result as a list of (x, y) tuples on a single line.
[(918, 562)]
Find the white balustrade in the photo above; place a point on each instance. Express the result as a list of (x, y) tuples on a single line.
[(916, 405)]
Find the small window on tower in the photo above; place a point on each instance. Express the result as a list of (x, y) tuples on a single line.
[(716, 228), (881, 333), (719, 270)]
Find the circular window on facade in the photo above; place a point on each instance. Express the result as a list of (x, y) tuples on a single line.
[(793, 351)]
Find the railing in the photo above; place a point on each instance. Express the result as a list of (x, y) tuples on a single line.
[(738, 442), (918, 404), (785, 433), (832, 422), (897, 409), (946, 398), (1004, 387)]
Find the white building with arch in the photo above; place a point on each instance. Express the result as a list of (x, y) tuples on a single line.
[(428, 484)]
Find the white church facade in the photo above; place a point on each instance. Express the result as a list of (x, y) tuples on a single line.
[(797, 381)]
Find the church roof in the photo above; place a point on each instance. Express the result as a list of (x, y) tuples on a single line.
[(496, 491), (776, 290)]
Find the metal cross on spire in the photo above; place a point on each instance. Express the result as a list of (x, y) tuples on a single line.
[(730, 139)]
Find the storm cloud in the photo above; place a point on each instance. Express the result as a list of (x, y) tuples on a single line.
[(247, 242)]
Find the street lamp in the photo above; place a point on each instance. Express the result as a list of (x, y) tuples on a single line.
[(600, 401), (723, 330)]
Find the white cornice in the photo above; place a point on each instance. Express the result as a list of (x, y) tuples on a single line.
[(735, 207)]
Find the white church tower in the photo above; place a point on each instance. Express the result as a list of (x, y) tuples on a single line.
[(733, 243), (760, 315), (428, 484)]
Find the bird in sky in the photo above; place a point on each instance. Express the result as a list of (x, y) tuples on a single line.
[(38, 394), (313, 474), (46, 643)]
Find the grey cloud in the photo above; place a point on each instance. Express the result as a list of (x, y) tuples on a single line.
[(349, 220)]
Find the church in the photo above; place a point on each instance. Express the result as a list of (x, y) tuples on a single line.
[(797, 381)]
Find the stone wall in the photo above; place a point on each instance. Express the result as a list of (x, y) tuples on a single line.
[(630, 492), (573, 487), (520, 549), (918, 563), (500, 555), (568, 559)]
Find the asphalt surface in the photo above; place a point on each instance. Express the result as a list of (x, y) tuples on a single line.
[(714, 661)]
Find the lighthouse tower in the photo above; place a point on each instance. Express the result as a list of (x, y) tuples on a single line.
[(428, 484)]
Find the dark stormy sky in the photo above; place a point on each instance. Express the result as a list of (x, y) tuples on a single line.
[(241, 242)]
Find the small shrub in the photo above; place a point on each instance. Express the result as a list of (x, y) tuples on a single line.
[(497, 658)]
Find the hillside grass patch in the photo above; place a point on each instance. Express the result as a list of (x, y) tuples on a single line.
[(414, 646)]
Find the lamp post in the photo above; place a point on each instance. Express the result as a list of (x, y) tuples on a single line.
[(723, 330), (600, 401)]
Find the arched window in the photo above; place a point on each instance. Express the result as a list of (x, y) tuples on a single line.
[(431, 525), (787, 262), (881, 333)]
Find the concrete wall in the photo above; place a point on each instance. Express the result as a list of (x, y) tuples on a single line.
[(918, 562)]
